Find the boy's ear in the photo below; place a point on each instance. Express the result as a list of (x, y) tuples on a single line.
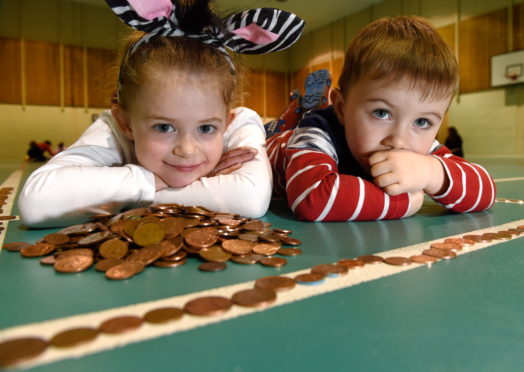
[(337, 100), (123, 122)]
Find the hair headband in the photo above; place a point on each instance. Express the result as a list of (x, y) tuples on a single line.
[(255, 31)]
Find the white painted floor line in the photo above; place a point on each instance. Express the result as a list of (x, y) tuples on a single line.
[(12, 181), (499, 180), (148, 331)]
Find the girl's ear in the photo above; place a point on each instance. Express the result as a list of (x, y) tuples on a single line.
[(337, 99), (123, 122), (230, 117)]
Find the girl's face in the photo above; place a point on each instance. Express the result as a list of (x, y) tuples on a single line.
[(177, 123)]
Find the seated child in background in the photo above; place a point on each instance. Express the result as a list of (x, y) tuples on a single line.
[(372, 154), (172, 137)]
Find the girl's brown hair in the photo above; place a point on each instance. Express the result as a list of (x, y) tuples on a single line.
[(402, 49)]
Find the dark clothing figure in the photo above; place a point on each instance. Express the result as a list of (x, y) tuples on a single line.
[(454, 142), (35, 153)]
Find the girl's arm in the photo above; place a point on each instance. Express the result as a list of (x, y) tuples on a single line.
[(246, 191), (86, 179)]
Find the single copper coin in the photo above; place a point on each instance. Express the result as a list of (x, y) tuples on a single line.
[(266, 249), (253, 226), (73, 337), (179, 256), (423, 259), (75, 252), (170, 264), (81, 229), (237, 246), (37, 250), (149, 233), (289, 251), (351, 263), (461, 241), (113, 248), (212, 266), (56, 238), (289, 240), (163, 315), (247, 259), (215, 254), (147, 255), (450, 246), (256, 297), (207, 306), (120, 324), (397, 261), (171, 246), (309, 279), (16, 246), (19, 350), (329, 270), (370, 259), (94, 238), (200, 239), (273, 261), (104, 265), (476, 238), (125, 270), (48, 260), (5, 218), (73, 264), (439, 253), (275, 283)]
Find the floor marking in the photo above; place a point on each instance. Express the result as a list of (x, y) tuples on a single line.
[(12, 181), (49, 328), (509, 179)]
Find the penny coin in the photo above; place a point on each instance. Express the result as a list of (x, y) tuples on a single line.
[(273, 261), (48, 260), (215, 254), (290, 241), (73, 337), (171, 246), (200, 239), (249, 237), (149, 233), (309, 279), (237, 246), (75, 252), (253, 226), (351, 263), (423, 259), (289, 251), (20, 349), (212, 266), (73, 264), (502, 236), (476, 238), (104, 265), (248, 259), (329, 270), (370, 259), (37, 250), (206, 306), (120, 324), (256, 297), (163, 315), (16, 246), (125, 270), (397, 261), (449, 246), (56, 238), (170, 264), (179, 256), (148, 254), (461, 241), (94, 238), (266, 249), (439, 253), (113, 248), (275, 283), (282, 231)]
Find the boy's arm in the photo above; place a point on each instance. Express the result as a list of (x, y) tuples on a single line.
[(471, 188), (316, 191)]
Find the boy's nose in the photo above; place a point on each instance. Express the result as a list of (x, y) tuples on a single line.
[(396, 139)]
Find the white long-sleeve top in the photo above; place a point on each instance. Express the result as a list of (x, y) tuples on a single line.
[(99, 172)]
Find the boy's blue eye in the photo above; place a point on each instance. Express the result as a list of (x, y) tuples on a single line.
[(164, 128), (381, 114), (422, 123), (207, 129)]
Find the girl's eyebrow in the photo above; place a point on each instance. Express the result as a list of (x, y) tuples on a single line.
[(165, 118)]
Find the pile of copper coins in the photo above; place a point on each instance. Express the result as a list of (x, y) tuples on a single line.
[(4, 194), (163, 236)]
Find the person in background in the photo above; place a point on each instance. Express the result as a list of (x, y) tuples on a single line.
[(35, 153), (454, 142)]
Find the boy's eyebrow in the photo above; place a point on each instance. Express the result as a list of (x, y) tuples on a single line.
[(390, 104)]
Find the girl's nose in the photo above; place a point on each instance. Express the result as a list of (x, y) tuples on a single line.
[(184, 147)]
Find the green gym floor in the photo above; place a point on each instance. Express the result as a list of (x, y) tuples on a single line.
[(463, 314)]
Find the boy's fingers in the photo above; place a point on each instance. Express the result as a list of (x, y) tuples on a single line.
[(377, 157)]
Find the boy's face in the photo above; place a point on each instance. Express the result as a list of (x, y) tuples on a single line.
[(177, 124), (379, 117)]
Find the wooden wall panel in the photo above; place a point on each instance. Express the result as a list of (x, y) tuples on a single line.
[(42, 71), (297, 79), (336, 70), (448, 34), (101, 76), (480, 38), (276, 94), (254, 91), (518, 26), (10, 71), (74, 76)]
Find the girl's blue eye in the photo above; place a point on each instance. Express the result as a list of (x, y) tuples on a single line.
[(164, 128), (422, 123), (381, 114), (207, 129)]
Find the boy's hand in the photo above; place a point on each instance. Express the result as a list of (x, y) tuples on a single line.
[(233, 160), (400, 171), (415, 202)]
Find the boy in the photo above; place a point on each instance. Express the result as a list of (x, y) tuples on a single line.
[(372, 154)]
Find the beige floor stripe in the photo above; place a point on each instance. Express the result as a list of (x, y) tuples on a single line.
[(106, 342), (12, 181)]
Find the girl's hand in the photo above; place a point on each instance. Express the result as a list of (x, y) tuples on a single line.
[(233, 160), (159, 183)]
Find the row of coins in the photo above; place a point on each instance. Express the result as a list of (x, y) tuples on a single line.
[(4, 194), (263, 293), (507, 200), (165, 236)]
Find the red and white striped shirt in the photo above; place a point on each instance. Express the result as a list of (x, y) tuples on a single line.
[(311, 168)]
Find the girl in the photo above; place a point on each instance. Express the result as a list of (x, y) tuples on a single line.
[(172, 137)]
